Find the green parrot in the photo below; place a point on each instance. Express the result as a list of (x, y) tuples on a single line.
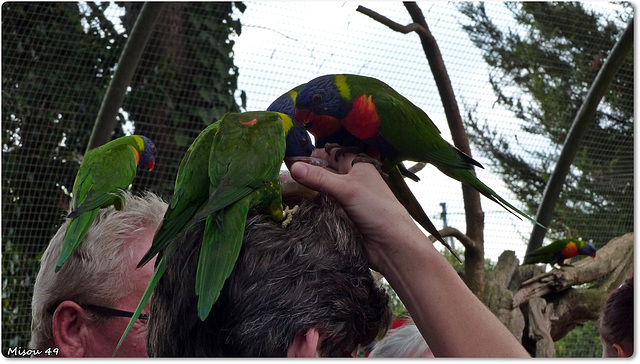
[(105, 172), (286, 104), (559, 250), (231, 167), (365, 113)]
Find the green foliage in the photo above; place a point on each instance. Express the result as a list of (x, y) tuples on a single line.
[(43, 131), (57, 61), (541, 70), (582, 341), (191, 77)]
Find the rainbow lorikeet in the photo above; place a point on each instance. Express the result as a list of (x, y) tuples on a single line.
[(105, 172), (559, 250), (387, 126), (286, 104), (231, 167)]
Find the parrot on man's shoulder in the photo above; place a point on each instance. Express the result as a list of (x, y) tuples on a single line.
[(104, 173), (559, 250)]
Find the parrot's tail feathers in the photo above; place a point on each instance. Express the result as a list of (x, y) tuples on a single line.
[(218, 254), (512, 209), (446, 245), (76, 230), (468, 159), (467, 177), (402, 192), (161, 267), (173, 225)]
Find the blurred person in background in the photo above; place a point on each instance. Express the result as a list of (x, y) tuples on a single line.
[(404, 341), (616, 322)]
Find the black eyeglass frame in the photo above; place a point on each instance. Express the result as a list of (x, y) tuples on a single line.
[(102, 311)]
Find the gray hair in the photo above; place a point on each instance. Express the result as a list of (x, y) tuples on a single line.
[(97, 271), (402, 342), (312, 274)]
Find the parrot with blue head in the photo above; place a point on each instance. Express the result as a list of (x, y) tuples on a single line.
[(559, 250), (388, 127), (104, 173)]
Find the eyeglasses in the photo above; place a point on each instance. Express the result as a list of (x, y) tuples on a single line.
[(102, 311)]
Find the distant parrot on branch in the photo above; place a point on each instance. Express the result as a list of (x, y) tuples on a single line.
[(105, 172), (230, 168), (559, 250), (365, 114)]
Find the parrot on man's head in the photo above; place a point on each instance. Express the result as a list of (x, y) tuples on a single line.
[(230, 168), (559, 250), (105, 172), (388, 127)]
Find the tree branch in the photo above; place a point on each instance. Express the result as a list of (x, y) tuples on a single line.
[(617, 253), (404, 29), (474, 252)]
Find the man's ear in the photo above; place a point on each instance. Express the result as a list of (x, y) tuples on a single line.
[(305, 345), (70, 330)]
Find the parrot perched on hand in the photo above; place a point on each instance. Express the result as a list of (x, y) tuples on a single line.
[(559, 250), (387, 126), (231, 167), (105, 172)]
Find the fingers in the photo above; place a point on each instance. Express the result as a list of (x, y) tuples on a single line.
[(343, 165), (315, 177)]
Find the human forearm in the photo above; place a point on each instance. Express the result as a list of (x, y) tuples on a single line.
[(451, 319)]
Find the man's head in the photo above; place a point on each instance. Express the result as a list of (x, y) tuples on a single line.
[(67, 307), (301, 290)]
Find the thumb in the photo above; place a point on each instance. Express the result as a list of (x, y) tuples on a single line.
[(315, 177)]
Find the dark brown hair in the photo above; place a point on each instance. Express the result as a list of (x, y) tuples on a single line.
[(311, 274), (616, 319)]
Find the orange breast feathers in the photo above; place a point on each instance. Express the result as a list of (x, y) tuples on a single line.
[(136, 154), (570, 251), (363, 121)]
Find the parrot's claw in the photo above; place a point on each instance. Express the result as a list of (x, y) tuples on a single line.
[(365, 158), (288, 215), (328, 147)]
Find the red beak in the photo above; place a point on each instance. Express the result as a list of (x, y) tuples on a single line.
[(302, 116), (151, 164)]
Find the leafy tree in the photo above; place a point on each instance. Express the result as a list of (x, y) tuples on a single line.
[(541, 70), (185, 82), (57, 60)]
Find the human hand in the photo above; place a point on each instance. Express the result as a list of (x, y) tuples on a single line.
[(366, 199)]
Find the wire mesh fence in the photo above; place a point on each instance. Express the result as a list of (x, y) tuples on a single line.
[(205, 59)]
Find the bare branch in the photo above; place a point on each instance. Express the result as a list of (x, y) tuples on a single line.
[(404, 29)]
